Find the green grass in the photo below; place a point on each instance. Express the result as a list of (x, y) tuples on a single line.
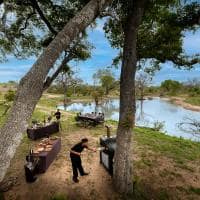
[(195, 190), (179, 149), (193, 100), (50, 102), (39, 115), (2, 118), (58, 197)]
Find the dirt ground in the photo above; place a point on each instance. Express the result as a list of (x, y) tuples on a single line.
[(58, 178)]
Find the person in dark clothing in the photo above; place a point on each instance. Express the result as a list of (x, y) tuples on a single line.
[(75, 155), (58, 114)]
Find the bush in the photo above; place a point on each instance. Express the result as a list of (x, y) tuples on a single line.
[(9, 96), (171, 87), (158, 126)]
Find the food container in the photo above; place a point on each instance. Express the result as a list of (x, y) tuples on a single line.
[(40, 149)]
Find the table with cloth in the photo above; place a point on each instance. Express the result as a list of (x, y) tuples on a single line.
[(45, 153), (45, 131)]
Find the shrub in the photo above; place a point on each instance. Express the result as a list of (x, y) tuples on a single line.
[(158, 126), (10, 96)]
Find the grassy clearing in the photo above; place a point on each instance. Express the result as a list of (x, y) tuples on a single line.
[(50, 101), (178, 149), (150, 147), (193, 100)]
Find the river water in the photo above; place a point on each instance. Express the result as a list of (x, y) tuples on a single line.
[(148, 112)]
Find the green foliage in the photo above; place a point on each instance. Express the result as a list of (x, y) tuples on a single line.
[(195, 190), (97, 94), (194, 91), (160, 35), (158, 126), (105, 78), (28, 34), (9, 96), (58, 197), (193, 100), (171, 86)]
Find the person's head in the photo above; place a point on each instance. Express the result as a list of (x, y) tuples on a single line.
[(49, 118), (58, 110), (84, 141)]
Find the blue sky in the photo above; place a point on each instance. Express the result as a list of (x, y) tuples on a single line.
[(102, 56)]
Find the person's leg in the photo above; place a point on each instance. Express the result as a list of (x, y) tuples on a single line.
[(74, 168), (80, 168)]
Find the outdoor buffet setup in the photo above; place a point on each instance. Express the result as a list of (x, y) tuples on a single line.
[(38, 131), (41, 157), (90, 118)]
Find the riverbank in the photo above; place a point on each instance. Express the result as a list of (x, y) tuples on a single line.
[(182, 101), (164, 168)]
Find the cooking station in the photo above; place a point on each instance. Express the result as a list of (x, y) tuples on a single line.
[(107, 152)]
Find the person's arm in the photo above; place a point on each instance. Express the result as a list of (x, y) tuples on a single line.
[(91, 149), (74, 152)]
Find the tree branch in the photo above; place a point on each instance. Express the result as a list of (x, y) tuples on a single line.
[(36, 6), (49, 80), (26, 22)]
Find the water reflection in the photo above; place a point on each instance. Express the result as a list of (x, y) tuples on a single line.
[(148, 111)]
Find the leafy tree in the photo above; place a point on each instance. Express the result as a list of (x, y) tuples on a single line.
[(171, 86), (143, 31), (28, 34), (106, 79), (129, 14), (160, 35), (31, 85), (97, 94)]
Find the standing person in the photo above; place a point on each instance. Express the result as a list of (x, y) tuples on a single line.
[(57, 114), (75, 155)]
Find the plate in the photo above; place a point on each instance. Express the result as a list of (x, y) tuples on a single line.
[(40, 149), (47, 149)]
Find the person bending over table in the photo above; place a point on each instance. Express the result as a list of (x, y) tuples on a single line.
[(75, 155)]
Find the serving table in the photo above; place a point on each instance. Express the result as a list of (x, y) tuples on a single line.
[(90, 119), (47, 157), (45, 131)]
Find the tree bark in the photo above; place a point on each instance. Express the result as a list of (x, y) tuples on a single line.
[(123, 165), (31, 85)]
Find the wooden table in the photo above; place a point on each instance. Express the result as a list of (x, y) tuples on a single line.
[(41, 132)]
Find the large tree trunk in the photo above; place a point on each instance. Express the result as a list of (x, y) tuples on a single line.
[(31, 85), (123, 176)]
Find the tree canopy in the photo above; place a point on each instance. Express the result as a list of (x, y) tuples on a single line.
[(105, 78), (28, 34), (160, 35)]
